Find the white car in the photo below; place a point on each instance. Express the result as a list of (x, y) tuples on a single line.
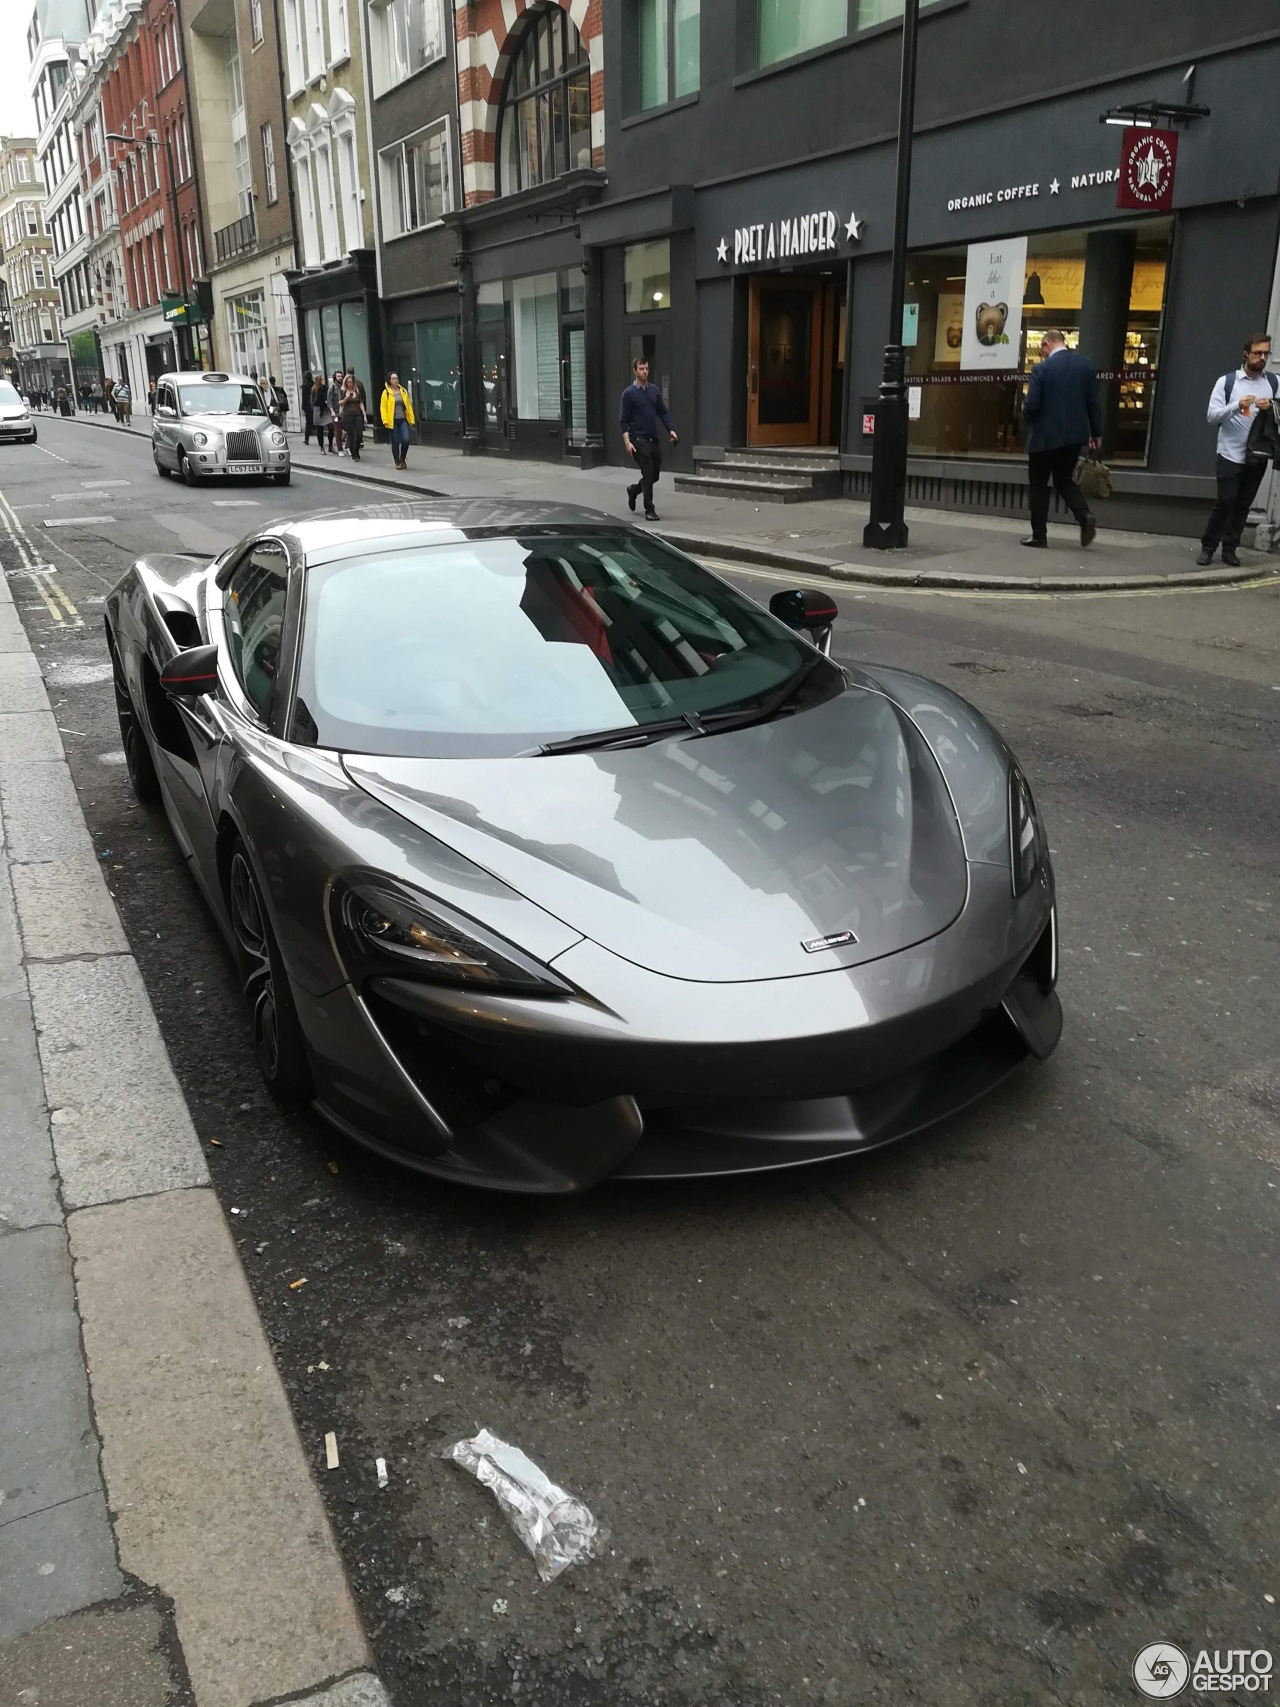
[(206, 426), (15, 416)]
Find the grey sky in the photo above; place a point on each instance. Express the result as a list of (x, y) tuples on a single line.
[(17, 115)]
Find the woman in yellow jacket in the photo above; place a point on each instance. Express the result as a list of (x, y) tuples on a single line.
[(397, 417)]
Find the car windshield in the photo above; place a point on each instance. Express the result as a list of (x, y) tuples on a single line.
[(7, 393), (495, 646), (233, 399)]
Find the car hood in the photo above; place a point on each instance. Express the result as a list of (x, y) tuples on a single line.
[(227, 423), (715, 859), (12, 411)]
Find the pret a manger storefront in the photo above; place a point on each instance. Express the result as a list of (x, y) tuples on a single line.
[(792, 271)]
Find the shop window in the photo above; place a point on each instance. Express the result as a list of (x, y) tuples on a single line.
[(438, 374), (667, 50), (544, 126), (536, 327), (1069, 276), (788, 27), (355, 342), (647, 275), (880, 11), (415, 181), (247, 329), (407, 35)]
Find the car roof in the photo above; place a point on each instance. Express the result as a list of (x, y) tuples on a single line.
[(330, 534), (186, 374)]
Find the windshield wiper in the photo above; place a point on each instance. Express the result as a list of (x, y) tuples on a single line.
[(630, 735), (770, 705)]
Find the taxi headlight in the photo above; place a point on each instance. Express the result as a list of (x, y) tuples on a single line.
[(199, 438), (277, 437)]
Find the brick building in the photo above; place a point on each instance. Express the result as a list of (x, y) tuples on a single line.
[(531, 93), (238, 123), (38, 353)]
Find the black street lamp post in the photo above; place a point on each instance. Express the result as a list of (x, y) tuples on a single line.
[(887, 527)]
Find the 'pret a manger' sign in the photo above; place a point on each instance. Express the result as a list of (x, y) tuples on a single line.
[(789, 239)]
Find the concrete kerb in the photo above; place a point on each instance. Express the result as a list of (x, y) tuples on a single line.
[(137, 1326), (865, 574)]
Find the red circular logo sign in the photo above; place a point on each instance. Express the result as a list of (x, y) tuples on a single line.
[(1148, 169)]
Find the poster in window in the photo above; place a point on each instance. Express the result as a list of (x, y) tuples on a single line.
[(950, 328), (992, 327)]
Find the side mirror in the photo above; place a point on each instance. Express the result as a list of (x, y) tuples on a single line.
[(164, 413), (807, 612), (191, 673)]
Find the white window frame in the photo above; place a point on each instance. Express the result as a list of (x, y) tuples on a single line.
[(247, 350), (339, 32), (393, 168), (389, 67), (271, 184), (305, 186), (313, 30), (327, 191), (256, 29), (294, 58)]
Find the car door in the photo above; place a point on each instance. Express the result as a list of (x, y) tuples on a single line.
[(162, 425), (252, 622)]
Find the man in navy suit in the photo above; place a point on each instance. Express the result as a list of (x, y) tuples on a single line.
[(1062, 413)]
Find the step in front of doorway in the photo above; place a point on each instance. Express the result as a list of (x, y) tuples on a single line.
[(762, 491)]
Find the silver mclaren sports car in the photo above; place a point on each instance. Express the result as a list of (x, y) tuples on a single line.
[(546, 855)]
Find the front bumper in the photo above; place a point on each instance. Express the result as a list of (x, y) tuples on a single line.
[(547, 1096), (213, 464), (15, 432)]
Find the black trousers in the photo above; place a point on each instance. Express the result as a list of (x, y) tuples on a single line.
[(649, 462), (1058, 466), (1238, 484)]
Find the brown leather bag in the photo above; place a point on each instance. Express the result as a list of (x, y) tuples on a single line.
[(1094, 476)]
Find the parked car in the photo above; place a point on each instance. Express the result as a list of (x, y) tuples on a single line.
[(206, 426), (547, 855), (15, 416)]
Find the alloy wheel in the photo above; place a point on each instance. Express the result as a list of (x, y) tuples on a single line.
[(249, 924)]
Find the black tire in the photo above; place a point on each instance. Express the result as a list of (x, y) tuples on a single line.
[(282, 479), (161, 470), (185, 469), (137, 755), (34, 435), (278, 1042)]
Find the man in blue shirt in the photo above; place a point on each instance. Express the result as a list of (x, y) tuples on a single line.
[(1062, 413), (642, 410)]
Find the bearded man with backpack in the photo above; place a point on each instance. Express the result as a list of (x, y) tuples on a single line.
[(1237, 401)]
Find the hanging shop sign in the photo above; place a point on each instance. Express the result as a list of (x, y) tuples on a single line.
[(821, 233), (1148, 163), (991, 330)]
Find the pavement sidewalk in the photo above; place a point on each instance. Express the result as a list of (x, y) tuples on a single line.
[(948, 548), (162, 1540)]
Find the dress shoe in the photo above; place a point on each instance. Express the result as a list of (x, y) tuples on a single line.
[(1088, 531), (1230, 559), (652, 516), (1037, 544), (632, 495), (1206, 556)]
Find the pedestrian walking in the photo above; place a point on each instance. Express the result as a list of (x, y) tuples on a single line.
[(321, 414), (351, 414), (360, 390), (64, 401), (124, 402), (335, 408), (1235, 403), (1063, 415), (642, 410), (397, 417), (308, 381), (151, 397), (108, 386), (278, 397)]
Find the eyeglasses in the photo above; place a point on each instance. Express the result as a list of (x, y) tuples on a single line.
[(1265, 354)]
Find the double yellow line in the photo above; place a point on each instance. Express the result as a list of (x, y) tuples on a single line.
[(44, 580)]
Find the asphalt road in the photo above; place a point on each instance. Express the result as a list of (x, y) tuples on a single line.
[(971, 1420)]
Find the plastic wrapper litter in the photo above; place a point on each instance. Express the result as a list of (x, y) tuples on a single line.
[(556, 1528)]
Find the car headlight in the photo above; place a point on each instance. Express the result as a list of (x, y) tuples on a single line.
[(199, 438), (383, 927), (277, 437), (1026, 833)]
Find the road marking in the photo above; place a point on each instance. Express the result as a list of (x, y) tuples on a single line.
[(35, 569), (53, 454), (73, 521), (234, 503), (101, 485), (61, 596)]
